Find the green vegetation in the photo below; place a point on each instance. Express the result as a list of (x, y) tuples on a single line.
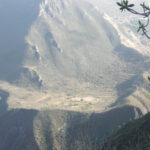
[(143, 25), (133, 136)]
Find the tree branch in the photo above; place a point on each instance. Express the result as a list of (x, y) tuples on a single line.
[(124, 5)]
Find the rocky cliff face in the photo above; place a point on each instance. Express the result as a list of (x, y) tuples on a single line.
[(68, 51), (60, 61), (70, 40)]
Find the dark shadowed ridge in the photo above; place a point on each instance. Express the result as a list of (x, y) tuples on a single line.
[(3, 101), (68, 130), (16, 127), (16, 130), (133, 136), (90, 132)]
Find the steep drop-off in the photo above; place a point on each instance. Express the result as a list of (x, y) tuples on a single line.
[(134, 135), (65, 76)]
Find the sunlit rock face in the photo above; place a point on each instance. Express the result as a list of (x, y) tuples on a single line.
[(66, 76), (71, 40), (65, 51)]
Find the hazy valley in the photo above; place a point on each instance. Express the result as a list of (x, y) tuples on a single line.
[(69, 74)]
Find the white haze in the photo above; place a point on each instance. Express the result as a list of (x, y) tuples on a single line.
[(68, 54)]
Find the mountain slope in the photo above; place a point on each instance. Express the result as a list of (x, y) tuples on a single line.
[(57, 129), (72, 58), (82, 48), (65, 76), (134, 135)]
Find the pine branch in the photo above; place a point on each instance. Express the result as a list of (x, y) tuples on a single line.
[(124, 5)]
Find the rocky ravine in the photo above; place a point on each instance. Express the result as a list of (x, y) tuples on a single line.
[(65, 76)]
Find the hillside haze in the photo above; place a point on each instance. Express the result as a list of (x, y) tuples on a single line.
[(65, 49), (66, 75)]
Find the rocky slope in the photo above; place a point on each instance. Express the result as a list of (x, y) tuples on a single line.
[(58, 130), (65, 75), (133, 136), (65, 55)]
